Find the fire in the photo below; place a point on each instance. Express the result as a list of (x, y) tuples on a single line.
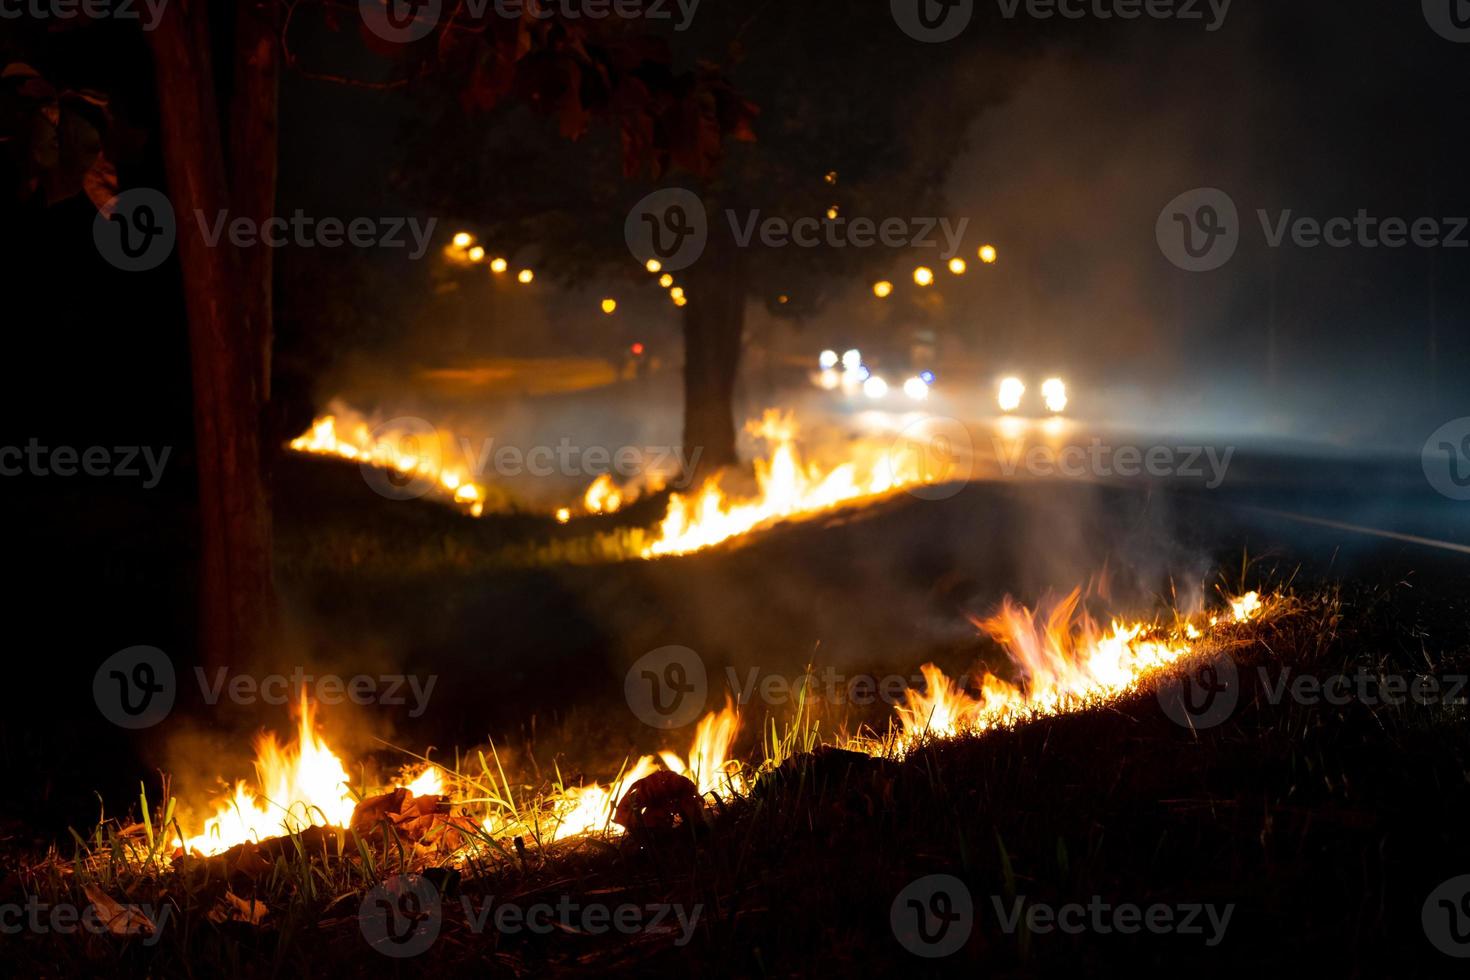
[(1065, 659), (603, 496), (590, 808), (299, 785), (788, 488), (430, 782), (347, 435)]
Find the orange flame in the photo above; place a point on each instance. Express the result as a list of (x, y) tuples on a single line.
[(297, 786), (1066, 661)]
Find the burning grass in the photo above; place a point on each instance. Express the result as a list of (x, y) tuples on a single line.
[(1274, 811), (424, 461)]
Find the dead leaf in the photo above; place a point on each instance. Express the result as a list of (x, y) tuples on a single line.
[(120, 920), (233, 908)]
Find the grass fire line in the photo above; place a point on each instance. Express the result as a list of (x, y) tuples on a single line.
[(788, 486), (1066, 662)]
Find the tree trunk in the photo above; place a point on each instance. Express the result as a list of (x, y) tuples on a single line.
[(237, 611), (254, 122), (714, 322)]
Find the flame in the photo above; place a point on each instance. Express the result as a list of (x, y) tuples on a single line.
[(1065, 659), (708, 763), (430, 782), (347, 435), (296, 786), (788, 488), (603, 496)]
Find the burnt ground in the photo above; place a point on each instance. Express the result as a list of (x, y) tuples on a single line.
[(1326, 826)]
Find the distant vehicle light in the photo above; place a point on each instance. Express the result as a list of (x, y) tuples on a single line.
[(609, 306), (987, 254), (928, 377), (875, 387), (525, 277), (1054, 393), (677, 293), (637, 350), (654, 265), (477, 253), (1012, 390), (498, 265), (883, 289), (958, 266), (829, 379), (827, 360), (924, 276), (852, 360), (462, 240), (666, 280), (916, 389), (863, 372)]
